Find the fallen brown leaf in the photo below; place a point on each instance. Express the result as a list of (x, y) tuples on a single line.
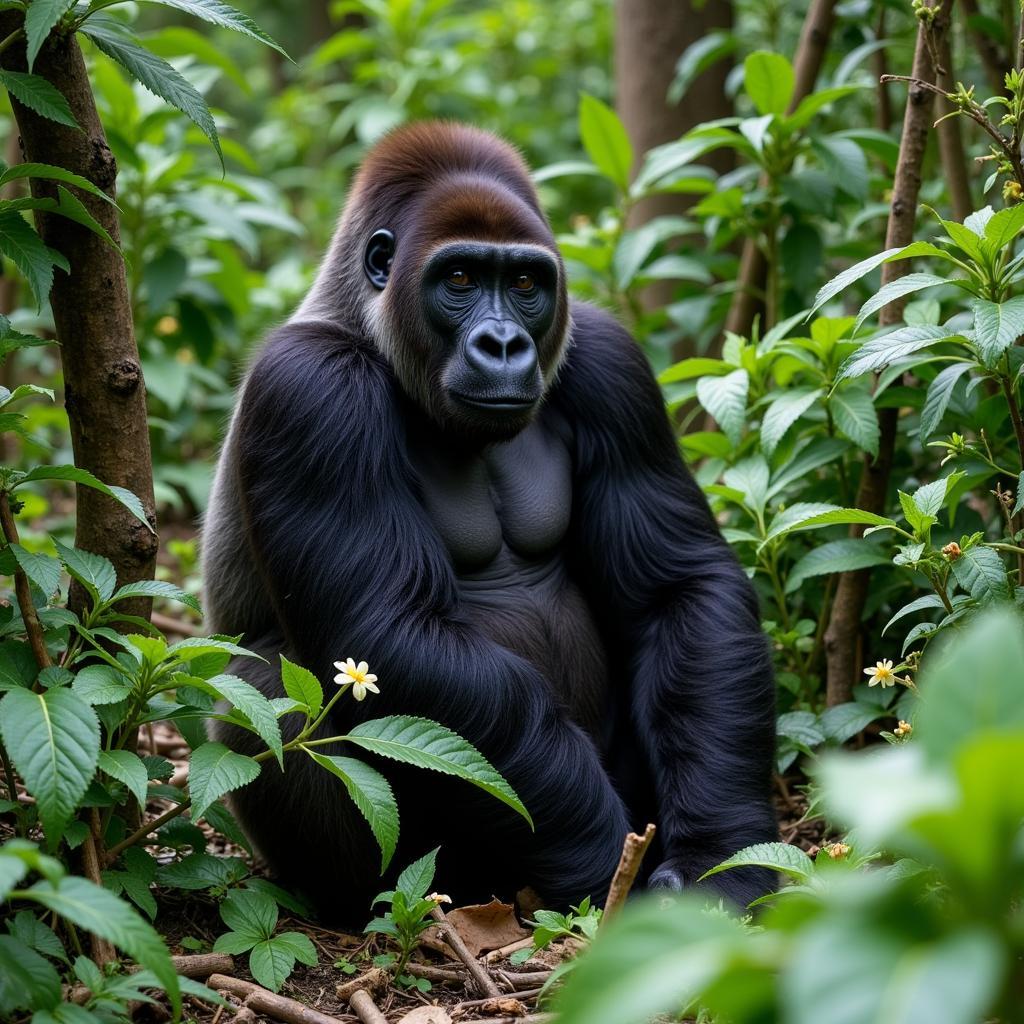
[(481, 927)]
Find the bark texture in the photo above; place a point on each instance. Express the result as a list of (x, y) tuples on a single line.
[(841, 638), (104, 389)]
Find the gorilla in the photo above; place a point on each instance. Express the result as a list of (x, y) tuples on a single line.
[(443, 466)]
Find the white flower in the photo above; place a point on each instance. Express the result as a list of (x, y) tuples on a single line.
[(881, 675), (358, 675)]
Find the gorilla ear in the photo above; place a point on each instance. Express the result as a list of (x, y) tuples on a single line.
[(377, 259)]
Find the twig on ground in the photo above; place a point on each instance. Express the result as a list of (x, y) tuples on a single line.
[(484, 982), (199, 966), (633, 850), (263, 1001), (527, 979), (432, 973), (512, 947), (365, 1008)]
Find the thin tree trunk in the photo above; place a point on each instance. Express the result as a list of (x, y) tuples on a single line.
[(103, 386), (810, 55), (993, 60), (951, 143), (880, 67), (842, 664)]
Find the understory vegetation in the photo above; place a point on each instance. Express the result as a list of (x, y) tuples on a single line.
[(825, 270)]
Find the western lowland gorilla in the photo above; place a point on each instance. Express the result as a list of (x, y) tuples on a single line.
[(443, 467)]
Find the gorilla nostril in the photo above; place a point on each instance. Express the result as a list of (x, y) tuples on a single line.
[(492, 347)]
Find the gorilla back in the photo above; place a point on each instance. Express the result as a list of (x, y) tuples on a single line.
[(440, 466)]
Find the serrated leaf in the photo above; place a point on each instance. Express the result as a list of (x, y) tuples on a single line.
[(84, 477), (784, 411), (605, 140), (930, 497), (95, 910), (1019, 503), (416, 879), (29, 254), (256, 708), (71, 207), (844, 555), (928, 602), (301, 685), (53, 738), (889, 348), (128, 768), (94, 572), (725, 398), (426, 744), (50, 172), (153, 72), (790, 860), (12, 871), (43, 570), (997, 325), (905, 285), (199, 646), (853, 410), (299, 945), (769, 81), (40, 95), (217, 13), (155, 588), (200, 871), (102, 684), (810, 515), (372, 794), (213, 771), (980, 571), (940, 393), (27, 980), (800, 726), (40, 18)]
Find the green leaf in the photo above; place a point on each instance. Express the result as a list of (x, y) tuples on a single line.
[(769, 81), (256, 708), (929, 498), (43, 570), (36, 93), (749, 477), (997, 325), (128, 768), (49, 172), (605, 140), (155, 588), (905, 285), (980, 571), (200, 871), (940, 393), (844, 555), (301, 685), (1019, 503), (842, 722), (635, 246), (890, 347), (102, 684), (784, 411), (417, 878), (372, 794), (810, 105), (725, 398), (12, 871), (84, 477), (928, 602), (40, 18), (73, 208), (224, 15), (1003, 227), (214, 771), (27, 980), (790, 860), (94, 572), (199, 646), (95, 910), (250, 913), (687, 369), (299, 945), (53, 739), (812, 515), (426, 744), (853, 410), (29, 254), (153, 72), (270, 963)]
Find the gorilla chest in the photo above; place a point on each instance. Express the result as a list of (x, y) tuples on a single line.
[(502, 509)]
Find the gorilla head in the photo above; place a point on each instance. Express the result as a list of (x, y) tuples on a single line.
[(450, 266)]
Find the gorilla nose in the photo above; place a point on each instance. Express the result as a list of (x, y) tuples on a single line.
[(499, 346)]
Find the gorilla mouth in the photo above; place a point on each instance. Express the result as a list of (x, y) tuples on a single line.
[(499, 403)]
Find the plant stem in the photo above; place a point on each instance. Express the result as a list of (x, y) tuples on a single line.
[(33, 627), (12, 38), (1018, 425)]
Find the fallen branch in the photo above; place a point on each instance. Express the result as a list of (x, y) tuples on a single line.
[(263, 1001), (533, 1018), (365, 1008), (512, 947), (484, 982), (199, 967), (633, 850)]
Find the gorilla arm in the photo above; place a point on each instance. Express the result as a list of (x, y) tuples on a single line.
[(701, 676), (354, 569)]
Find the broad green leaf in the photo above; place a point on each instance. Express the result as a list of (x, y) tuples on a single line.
[(1019, 503), (416, 879), (250, 913), (929, 498), (53, 738), (271, 962), (95, 910), (853, 410), (426, 744), (725, 398), (810, 105), (27, 980), (564, 169), (251, 703), (43, 570), (38, 94), (842, 722), (40, 18), (784, 411), (845, 163), (940, 393), (198, 646), (200, 871), (842, 555), (814, 454), (635, 246), (769, 81), (224, 15), (372, 794), (71, 207), (905, 285), (12, 871), (812, 515), (697, 58), (1003, 227), (926, 603), (605, 140), (888, 348), (301, 685), (749, 477), (981, 572), (29, 254), (790, 860), (155, 588), (800, 726), (84, 477), (214, 771), (997, 326), (300, 945), (153, 72), (94, 572), (687, 369), (128, 768), (24, 391), (102, 684)]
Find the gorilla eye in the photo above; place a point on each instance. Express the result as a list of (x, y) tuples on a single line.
[(458, 277), (523, 283)]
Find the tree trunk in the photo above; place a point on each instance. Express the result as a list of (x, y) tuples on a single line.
[(650, 37), (810, 54), (842, 665), (995, 62), (104, 390)]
